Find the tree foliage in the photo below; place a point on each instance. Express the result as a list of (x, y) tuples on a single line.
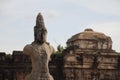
[(8, 58), (58, 53), (59, 50)]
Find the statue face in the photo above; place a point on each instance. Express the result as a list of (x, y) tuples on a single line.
[(40, 35)]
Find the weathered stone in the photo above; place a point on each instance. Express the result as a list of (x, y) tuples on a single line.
[(92, 59), (90, 39), (39, 52)]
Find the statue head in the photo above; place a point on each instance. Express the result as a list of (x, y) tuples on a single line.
[(40, 32)]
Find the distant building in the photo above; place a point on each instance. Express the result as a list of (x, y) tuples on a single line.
[(88, 56), (13, 67)]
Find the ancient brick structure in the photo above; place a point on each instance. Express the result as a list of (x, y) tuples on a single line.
[(88, 56), (14, 67), (18, 65)]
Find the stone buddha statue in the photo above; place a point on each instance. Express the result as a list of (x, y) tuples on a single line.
[(39, 51)]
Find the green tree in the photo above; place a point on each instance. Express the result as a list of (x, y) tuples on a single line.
[(59, 50), (8, 58)]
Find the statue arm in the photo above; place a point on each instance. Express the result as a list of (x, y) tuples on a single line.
[(28, 50)]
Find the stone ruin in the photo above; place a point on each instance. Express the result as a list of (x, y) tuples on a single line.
[(90, 39), (39, 51), (88, 56)]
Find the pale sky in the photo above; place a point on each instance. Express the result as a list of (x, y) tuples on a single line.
[(63, 18)]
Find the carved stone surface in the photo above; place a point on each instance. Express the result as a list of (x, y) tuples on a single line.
[(90, 39), (89, 55), (39, 52)]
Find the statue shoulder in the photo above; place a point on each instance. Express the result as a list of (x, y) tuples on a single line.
[(28, 49), (52, 50)]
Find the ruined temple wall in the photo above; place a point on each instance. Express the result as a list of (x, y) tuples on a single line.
[(71, 73), (91, 44)]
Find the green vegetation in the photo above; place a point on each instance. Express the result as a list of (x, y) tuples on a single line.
[(8, 58), (59, 50), (58, 53)]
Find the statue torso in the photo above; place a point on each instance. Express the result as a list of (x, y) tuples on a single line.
[(40, 56)]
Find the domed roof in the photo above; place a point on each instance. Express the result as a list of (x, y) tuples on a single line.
[(88, 34)]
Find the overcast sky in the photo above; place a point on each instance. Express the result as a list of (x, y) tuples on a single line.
[(63, 18)]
